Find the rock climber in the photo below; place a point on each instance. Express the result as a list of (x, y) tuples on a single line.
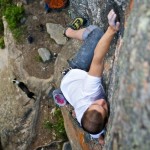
[(82, 82)]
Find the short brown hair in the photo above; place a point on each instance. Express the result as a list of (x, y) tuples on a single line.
[(92, 121)]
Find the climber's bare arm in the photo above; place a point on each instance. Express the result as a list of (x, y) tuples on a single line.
[(96, 68)]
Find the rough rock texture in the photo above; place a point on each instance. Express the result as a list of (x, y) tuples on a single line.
[(126, 74), (17, 121), (44, 54), (95, 11), (14, 117), (130, 86), (56, 32)]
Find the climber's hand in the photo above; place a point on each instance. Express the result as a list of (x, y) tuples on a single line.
[(112, 20)]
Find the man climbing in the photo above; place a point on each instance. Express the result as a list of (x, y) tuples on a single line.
[(81, 85)]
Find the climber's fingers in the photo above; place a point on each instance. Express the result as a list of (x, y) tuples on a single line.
[(111, 20)]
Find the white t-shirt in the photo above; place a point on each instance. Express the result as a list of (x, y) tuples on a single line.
[(81, 90)]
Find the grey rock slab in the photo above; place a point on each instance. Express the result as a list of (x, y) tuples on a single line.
[(56, 33), (44, 54)]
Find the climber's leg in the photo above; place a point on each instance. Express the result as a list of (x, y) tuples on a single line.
[(75, 34), (91, 35)]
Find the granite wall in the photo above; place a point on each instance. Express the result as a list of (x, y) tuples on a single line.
[(127, 71)]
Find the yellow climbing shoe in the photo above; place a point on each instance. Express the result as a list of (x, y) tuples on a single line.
[(77, 23)]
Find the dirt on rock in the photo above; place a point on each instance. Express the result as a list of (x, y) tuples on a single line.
[(35, 18)]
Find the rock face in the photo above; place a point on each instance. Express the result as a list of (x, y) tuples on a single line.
[(126, 74), (17, 121), (95, 11), (130, 84)]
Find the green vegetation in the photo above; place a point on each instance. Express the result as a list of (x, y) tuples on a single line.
[(1, 27), (4, 4), (38, 58), (13, 15), (2, 44), (48, 125), (57, 126)]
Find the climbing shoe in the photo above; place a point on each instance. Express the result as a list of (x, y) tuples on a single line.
[(77, 23), (59, 98)]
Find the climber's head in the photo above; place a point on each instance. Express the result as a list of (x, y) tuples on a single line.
[(95, 117)]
